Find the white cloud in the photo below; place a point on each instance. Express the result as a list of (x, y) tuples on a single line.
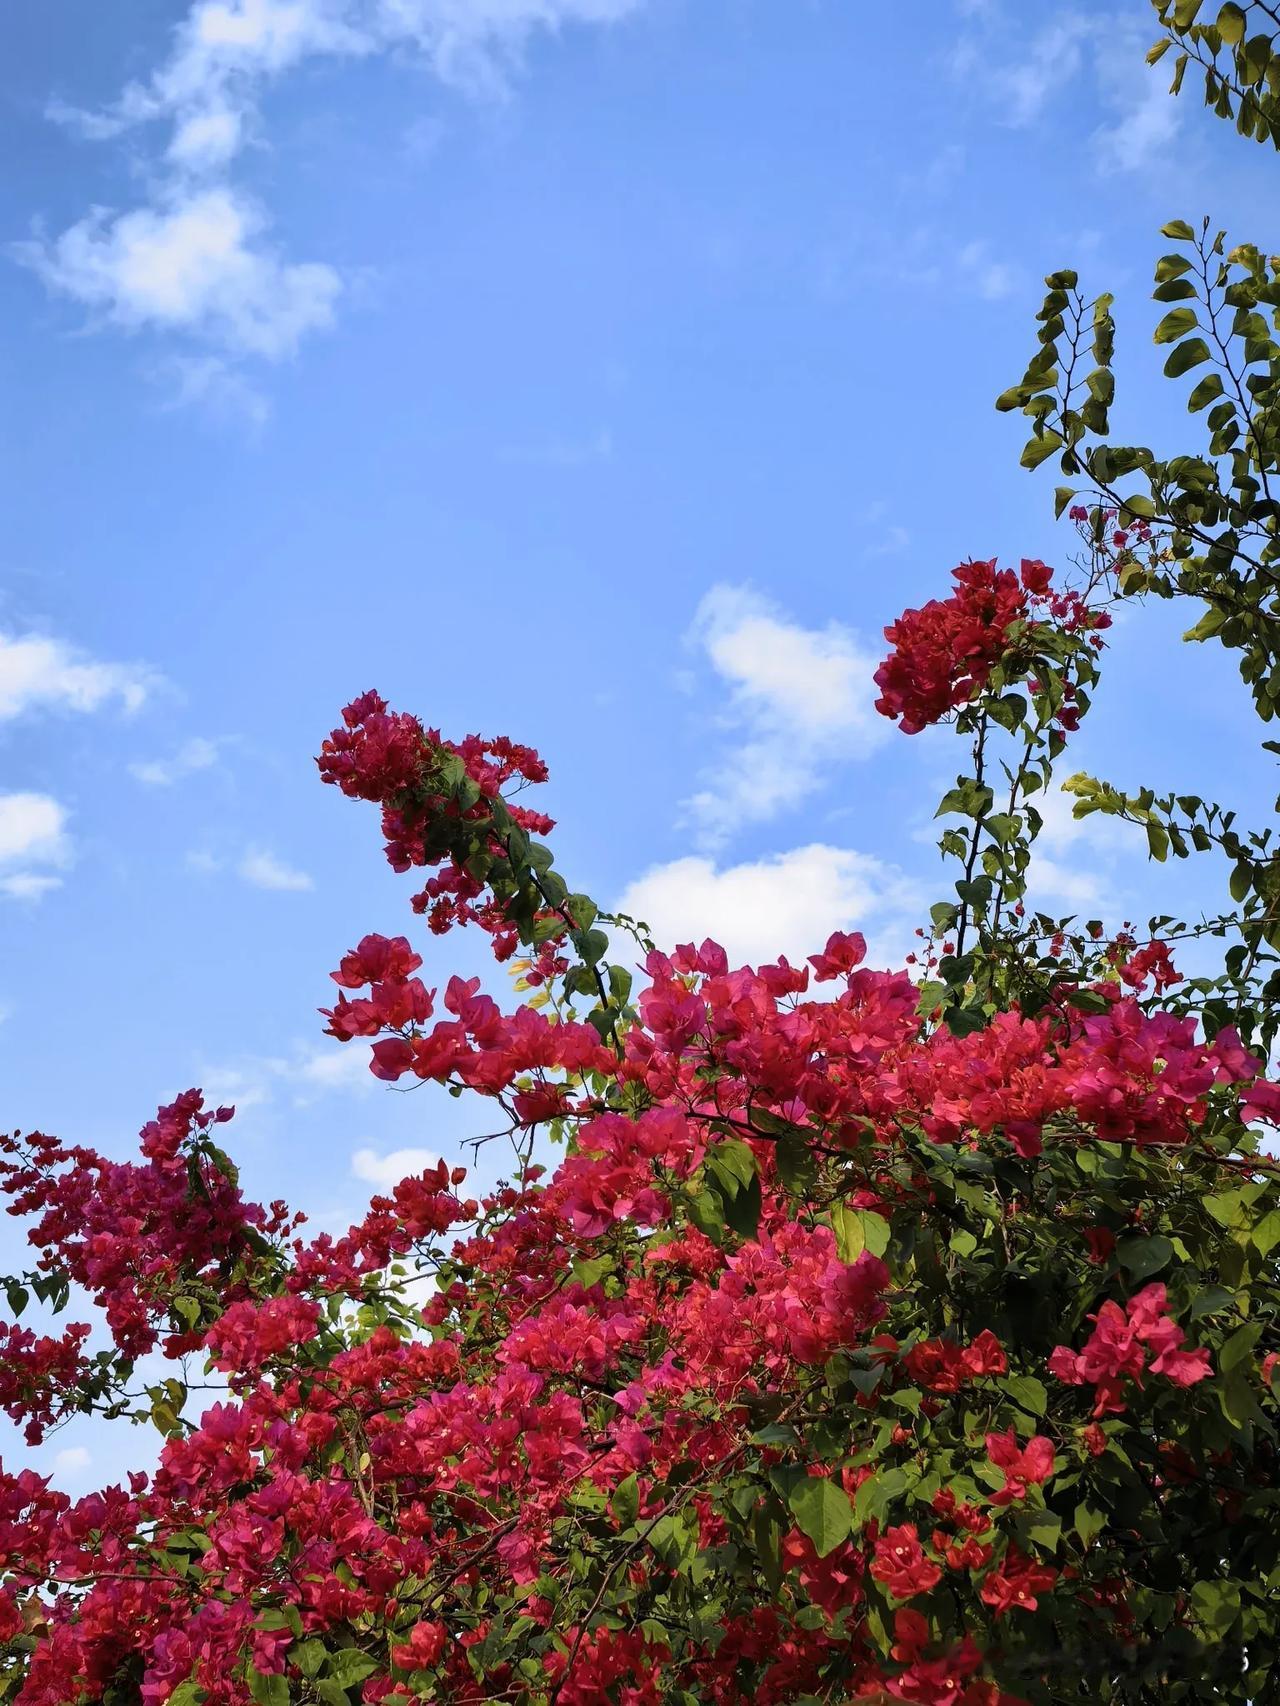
[(264, 871), (787, 903), (1049, 878), (28, 885), (1073, 860), (243, 1086), (191, 264), (206, 139), (32, 832), (31, 827), (993, 280), (193, 259), (799, 696), (302, 1078), (1145, 118), (193, 755), (388, 1170), (211, 382), (1024, 74), (71, 1460), (895, 541), (37, 671), (1042, 63), (1061, 829), (344, 1066), (224, 50)]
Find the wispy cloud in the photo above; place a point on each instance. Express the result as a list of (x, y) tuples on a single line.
[(215, 385), (38, 672), (1074, 859), (194, 263), (263, 870), (1027, 66), (798, 697), (992, 279), (563, 452), (787, 903), (302, 1078), (196, 258), (32, 833), (340, 1067), (1041, 64), (388, 1170), (1143, 117), (193, 755)]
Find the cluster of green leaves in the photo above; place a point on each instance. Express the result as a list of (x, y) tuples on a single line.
[(1016, 741), (1205, 524), (1236, 53), (480, 835)]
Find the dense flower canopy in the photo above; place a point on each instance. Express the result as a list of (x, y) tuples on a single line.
[(877, 1336)]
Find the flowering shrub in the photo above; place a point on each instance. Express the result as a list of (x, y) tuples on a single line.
[(880, 1335)]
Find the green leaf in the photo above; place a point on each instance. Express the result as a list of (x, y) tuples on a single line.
[(1238, 1349), (350, 1666), (857, 1230), (797, 1164), (965, 1021), (1158, 841), (1231, 24), (1040, 1528), (1205, 392), (308, 1655), (1088, 1523), (1027, 1392), (1208, 625), (1176, 324), (706, 1211), (582, 909), (1216, 1606), (625, 1503), (1187, 355), (1266, 1234), (1140, 1257), (1171, 266), (331, 1692), (732, 1162), (1042, 446), (1179, 230), (822, 1512), (268, 1690)]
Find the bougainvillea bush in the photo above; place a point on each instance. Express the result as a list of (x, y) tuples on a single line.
[(842, 1334), (874, 1335)]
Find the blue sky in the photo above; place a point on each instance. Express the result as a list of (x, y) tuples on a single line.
[(604, 372)]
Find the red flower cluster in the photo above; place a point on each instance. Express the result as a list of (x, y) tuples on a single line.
[(1024, 1466), (944, 652), (940, 1365), (1118, 1348)]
